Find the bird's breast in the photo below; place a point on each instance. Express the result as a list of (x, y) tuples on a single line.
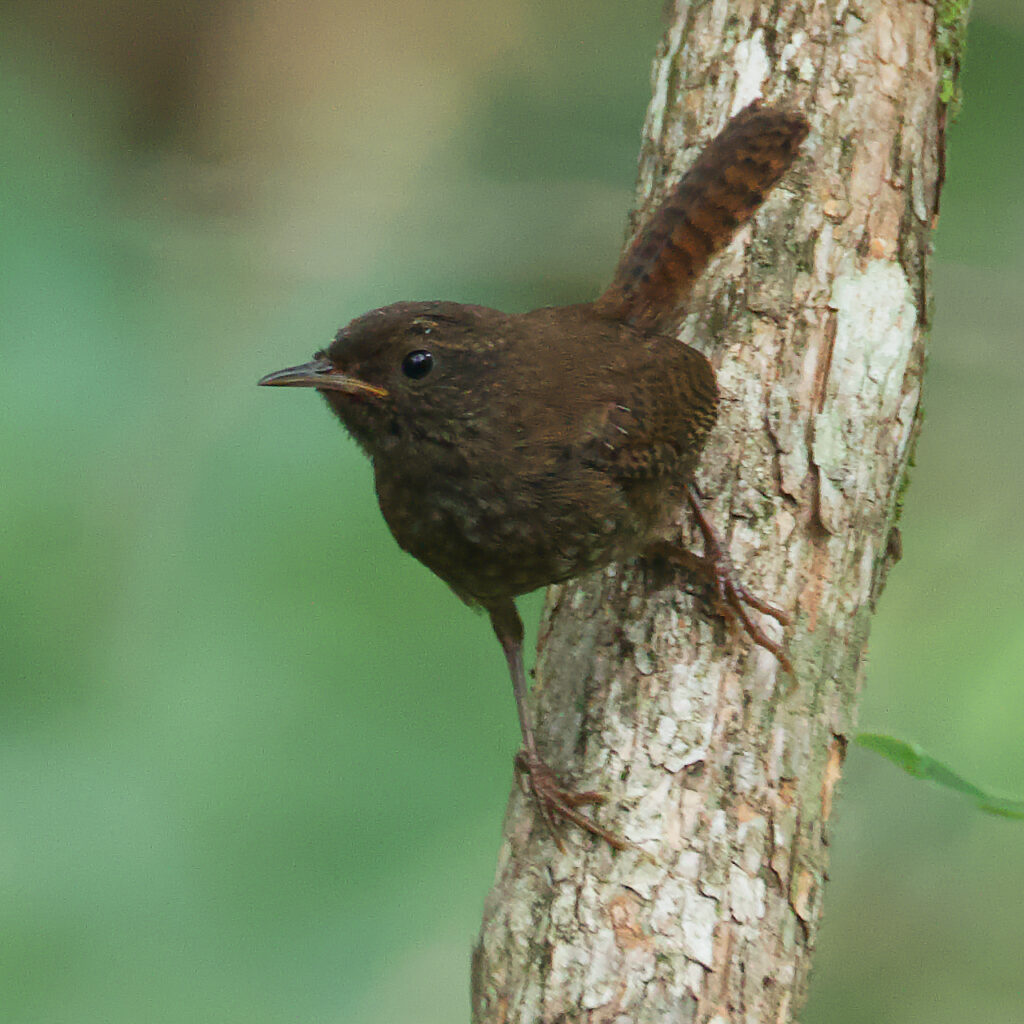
[(495, 527)]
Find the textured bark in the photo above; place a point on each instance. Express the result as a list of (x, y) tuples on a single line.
[(714, 760)]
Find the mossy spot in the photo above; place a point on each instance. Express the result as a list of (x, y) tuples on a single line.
[(951, 17)]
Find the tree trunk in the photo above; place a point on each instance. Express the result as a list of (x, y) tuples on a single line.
[(713, 759)]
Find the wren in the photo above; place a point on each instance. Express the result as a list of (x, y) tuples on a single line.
[(512, 451)]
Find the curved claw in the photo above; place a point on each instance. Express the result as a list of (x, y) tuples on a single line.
[(554, 799), (730, 605), (730, 597)]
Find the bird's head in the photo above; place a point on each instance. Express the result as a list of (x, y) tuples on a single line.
[(412, 369)]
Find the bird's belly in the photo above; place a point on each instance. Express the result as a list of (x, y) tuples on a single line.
[(492, 538)]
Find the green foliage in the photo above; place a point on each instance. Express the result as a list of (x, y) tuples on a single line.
[(919, 763)]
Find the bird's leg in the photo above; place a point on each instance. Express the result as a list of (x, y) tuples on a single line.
[(730, 597), (552, 798)]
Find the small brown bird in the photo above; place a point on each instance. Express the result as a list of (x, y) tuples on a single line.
[(512, 451)]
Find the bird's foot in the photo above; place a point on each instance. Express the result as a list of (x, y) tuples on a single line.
[(555, 801), (729, 596)]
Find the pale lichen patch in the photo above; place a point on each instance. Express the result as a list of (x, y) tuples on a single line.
[(647, 825), (792, 48), (667, 908), (784, 822), (683, 729), (529, 1007), (693, 975), (752, 68), (750, 836), (688, 865), (666, 729), (746, 896), (875, 333), (700, 915), (866, 570), (643, 878), (603, 970)]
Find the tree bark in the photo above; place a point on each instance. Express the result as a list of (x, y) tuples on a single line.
[(715, 761)]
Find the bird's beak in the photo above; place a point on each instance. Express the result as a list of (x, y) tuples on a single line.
[(322, 375)]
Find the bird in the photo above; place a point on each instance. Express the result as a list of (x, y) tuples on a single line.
[(512, 451)]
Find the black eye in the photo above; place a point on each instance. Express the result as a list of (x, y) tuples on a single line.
[(418, 364)]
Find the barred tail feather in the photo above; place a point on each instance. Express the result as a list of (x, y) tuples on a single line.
[(721, 191)]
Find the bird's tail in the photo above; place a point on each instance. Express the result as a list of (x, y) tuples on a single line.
[(718, 194)]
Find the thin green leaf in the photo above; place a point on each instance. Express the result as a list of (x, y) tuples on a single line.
[(919, 763)]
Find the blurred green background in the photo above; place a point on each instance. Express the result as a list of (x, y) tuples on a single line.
[(253, 759)]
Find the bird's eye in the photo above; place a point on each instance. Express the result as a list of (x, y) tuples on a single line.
[(416, 365)]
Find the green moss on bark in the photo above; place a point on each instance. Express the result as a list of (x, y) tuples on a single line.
[(951, 17)]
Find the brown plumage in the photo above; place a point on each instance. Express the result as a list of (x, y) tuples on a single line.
[(512, 451), (719, 193)]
